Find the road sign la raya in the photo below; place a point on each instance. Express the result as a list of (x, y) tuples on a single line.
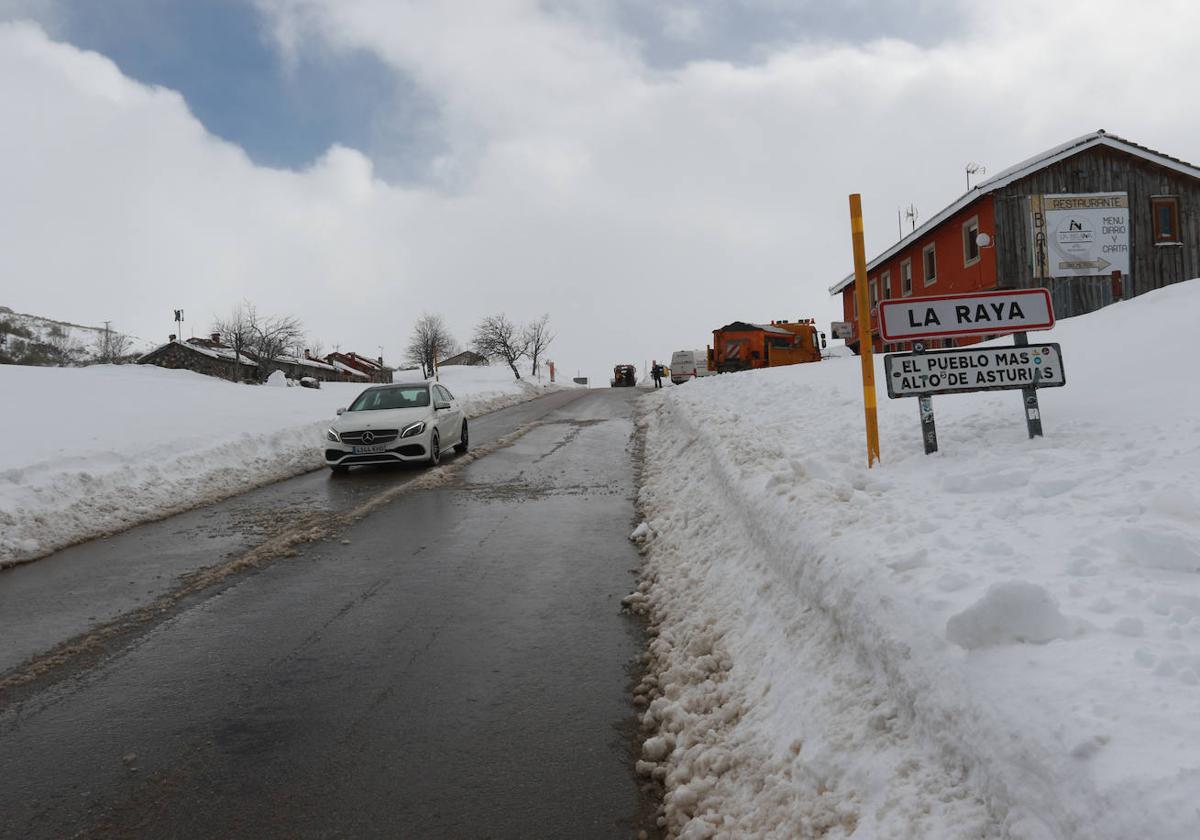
[(980, 313)]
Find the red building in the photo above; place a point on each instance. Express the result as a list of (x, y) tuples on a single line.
[(1128, 208), (360, 368)]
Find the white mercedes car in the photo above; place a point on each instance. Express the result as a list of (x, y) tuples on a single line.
[(391, 424)]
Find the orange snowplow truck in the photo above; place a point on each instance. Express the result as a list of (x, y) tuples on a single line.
[(742, 346)]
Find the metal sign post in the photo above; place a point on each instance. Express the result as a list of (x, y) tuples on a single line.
[(1033, 414), (925, 406)]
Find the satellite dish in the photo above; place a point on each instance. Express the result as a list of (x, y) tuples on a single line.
[(983, 240)]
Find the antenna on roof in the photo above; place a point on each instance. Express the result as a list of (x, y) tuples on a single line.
[(911, 214), (973, 168)]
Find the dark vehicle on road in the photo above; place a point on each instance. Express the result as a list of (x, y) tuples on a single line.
[(624, 376)]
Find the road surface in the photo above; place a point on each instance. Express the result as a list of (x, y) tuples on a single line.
[(404, 654)]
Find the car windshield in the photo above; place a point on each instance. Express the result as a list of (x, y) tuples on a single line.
[(381, 399)]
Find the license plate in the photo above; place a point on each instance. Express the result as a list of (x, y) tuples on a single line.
[(367, 450)]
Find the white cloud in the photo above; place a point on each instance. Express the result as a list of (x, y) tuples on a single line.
[(641, 208)]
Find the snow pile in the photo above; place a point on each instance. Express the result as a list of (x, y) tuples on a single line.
[(1001, 640), (98, 449), (1008, 613)]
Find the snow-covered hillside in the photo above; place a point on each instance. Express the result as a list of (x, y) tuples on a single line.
[(38, 330), (1000, 640), (97, 449)]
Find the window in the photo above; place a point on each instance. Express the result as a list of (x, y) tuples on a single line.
[(886, 286), (385, 399), (971, 242), (929, 259), (874, 287), (1165, 210), (906, 278)]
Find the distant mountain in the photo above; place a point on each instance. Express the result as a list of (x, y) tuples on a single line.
[(37, 340)]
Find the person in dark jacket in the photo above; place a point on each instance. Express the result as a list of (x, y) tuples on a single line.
[(657, 372)]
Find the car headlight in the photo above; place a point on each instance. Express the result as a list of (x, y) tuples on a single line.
[(330, 434), (414, 429)]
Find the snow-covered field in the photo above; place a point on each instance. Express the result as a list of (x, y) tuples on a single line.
[(94, 450), (1000, 640)]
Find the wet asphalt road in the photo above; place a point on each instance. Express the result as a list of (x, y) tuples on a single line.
[(454, 664), (65, 594)]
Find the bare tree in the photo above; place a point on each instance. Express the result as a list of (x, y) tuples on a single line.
[(537, 337), (431, 341), (306, 343), (62, 349), (237, 331), (498, 338), (110, 347), (266, 337), (270, 337)]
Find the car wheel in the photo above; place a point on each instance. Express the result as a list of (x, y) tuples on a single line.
[(339, 469), (463, 442), (435, 449)]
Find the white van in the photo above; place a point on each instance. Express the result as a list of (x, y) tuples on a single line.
[(688, 364)]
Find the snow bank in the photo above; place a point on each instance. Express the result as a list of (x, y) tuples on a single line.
[(1001, 640), (94, 450)]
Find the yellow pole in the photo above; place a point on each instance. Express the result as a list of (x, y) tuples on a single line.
[(865, 344)]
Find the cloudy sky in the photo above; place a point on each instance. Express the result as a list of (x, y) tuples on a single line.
[(643, 171)]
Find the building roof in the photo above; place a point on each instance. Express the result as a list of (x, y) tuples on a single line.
[(345, 368), (303, 362), (466, 357), (365, 361), (1027, 167), (204, 347), (354, 361)]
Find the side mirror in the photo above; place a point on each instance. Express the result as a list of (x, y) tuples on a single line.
[(822, 341), (441, 406), (340, 411)]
